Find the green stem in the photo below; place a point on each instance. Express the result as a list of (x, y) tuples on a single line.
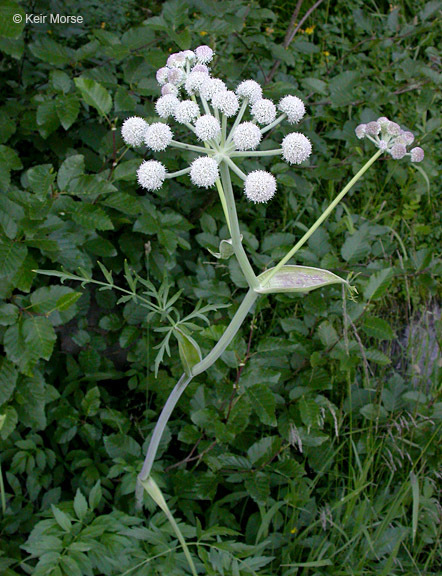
[(235, 168), (243, 261), (191, 147), (223, 203), (257, 153), (224, 128), (178, 173), (238, 119), (273, 124), (321, 219), (228, 335)]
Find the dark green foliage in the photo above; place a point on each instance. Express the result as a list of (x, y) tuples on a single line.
[(310, 447)]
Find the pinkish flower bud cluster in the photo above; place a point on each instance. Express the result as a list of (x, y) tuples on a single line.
[(391, 138)]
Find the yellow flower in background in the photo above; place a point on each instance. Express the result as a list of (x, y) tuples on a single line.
[(203, 33), (310, 29), (293, 530), (326, 53)]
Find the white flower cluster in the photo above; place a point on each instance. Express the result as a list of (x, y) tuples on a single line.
[(391, 138), (192, 97)]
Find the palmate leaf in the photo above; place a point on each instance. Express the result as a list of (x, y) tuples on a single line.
[(297, 279)]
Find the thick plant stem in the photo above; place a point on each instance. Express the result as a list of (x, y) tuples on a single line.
[(168, 407), (184, 381), (240, 254), (321, 219), (228, 335)]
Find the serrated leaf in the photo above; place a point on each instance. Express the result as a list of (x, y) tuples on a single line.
[(377, 328), (72, 167), (61, 518), (94, 94), (12, 256), (67, 108), (40, 179), (378, 284), (51, 51), (309, 411), (263, 402), (95, 496), (91, 217), (39, 336), (297, 279), (8, 422), (8, 314), (355, 246), (8, 379), (80, 505)]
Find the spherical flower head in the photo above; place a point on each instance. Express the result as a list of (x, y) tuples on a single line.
[(251, 90), (417, 154), (204, 172), (264, 111), (393, 129), (201, 68), (195, 81), (133, 131), (207, 128), (398, 151), (186, 111), (296, 148), (166, 105), (293, 107), (190, 55), (247, 136), (405, 138), (361, 131), (211, 87), (383, 122), (226, 102), (382, 145), (151, 175), (373, 128), (161, 75), (204, 54), (158, 136), (169, 89), (175, 76), (260, 186), (176, 60)]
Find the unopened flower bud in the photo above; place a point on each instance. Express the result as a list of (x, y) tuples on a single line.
[(204, 54), (393, 129), (398, 151), (169, 89), (373, 128), (417, 154), (361, 131), (162, 75), (201, 68)]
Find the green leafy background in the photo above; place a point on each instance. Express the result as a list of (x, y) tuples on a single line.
[(310, 447)]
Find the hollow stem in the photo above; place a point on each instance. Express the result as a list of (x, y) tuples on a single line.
[(241, 256), (223, 203), (323, 216)]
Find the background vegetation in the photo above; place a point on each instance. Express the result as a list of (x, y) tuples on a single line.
[(311, 446)]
